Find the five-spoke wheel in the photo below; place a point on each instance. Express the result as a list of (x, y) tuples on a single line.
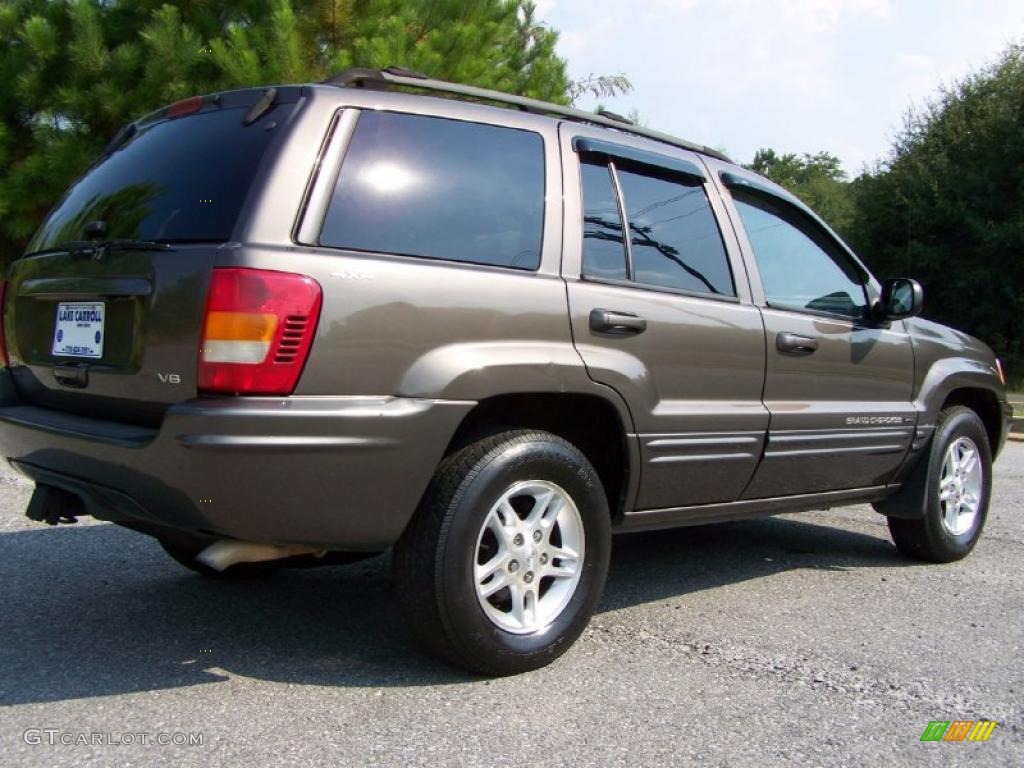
[(529, 556), (506, 558), (960, 486)]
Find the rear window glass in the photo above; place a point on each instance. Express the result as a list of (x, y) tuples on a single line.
[(178, 180), (440, 189)]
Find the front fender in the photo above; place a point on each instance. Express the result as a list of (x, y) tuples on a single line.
[(950, 374)]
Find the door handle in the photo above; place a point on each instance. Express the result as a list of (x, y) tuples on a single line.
[(795, 344), (622, 323)]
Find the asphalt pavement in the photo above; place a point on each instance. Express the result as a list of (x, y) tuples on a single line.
[(801, 639)]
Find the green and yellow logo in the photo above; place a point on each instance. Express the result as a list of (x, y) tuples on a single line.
[(958, 730)]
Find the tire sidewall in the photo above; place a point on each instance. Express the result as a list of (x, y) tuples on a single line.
[(534, 459), (961, 423)]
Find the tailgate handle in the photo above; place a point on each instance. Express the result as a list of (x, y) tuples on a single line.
[(74, 376)]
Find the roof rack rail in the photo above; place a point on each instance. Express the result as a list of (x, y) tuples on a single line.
[(381, 79), (613, 116)]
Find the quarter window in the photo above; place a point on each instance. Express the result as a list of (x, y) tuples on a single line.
[(604, 249), (800, 267), (440, 189)]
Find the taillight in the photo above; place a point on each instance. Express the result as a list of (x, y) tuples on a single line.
[(257, 332), (4, 362)]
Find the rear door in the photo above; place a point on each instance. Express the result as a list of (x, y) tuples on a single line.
[(838, 384), (113, 331), (663, 315)]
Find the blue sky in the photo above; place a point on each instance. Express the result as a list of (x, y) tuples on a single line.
[(794, 75)]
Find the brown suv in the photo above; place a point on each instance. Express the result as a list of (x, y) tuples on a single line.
[(303, 324)]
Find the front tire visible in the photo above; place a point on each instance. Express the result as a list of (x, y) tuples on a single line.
[(956, 486), (507, 556)]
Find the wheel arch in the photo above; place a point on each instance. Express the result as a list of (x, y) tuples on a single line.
[(908, 501), (983, 402), (597, 425)]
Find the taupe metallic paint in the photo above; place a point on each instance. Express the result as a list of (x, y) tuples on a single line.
[(717, 423)]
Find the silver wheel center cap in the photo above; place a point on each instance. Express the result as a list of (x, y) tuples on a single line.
[(533, 559)]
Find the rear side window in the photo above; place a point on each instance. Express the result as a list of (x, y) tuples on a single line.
[(440, 189), (674, 241), (183, 179), (674, 237)]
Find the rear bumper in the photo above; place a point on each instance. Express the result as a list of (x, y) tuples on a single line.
[(341, 473)]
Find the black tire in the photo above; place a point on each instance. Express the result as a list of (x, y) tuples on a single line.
[(184, 548), (436, 556), (927, 537)]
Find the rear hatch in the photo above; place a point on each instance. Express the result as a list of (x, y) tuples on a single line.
[(104, 312)]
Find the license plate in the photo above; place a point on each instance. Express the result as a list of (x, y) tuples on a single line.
[(79, 330)]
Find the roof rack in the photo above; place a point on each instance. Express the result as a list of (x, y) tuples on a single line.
[(382, 79)]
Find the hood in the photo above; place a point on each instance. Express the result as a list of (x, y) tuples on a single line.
[(958, 343)]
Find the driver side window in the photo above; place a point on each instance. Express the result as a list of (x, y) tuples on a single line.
[(800, 268)]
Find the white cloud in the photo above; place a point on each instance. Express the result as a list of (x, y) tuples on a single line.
[(545, 7)]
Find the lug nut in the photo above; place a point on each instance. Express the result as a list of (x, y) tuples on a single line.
[(544, 558), (513, 566), (518, 540), (537, 535), (528, 577)]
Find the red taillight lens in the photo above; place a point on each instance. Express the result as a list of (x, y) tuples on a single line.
[(257, 332), (4, 362)]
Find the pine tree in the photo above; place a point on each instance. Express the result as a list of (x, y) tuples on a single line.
[(73, 71)]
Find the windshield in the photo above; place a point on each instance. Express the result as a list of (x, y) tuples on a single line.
[(183, 179)]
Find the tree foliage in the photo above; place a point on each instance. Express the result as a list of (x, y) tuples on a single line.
[(73, 71), (947, 207), (599, 86), (819, 180)]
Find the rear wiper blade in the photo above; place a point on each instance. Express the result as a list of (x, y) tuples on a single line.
[(97, 248), (127, 244), (74, 247)]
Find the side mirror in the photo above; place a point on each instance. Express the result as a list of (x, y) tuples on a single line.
[(901, 297)]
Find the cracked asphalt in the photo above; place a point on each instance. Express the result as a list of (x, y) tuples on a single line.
[(801, 639)]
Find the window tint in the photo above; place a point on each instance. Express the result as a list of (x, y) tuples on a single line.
[(800, 268), (674, 237), (440, 189), (179, 180), (604, 251)]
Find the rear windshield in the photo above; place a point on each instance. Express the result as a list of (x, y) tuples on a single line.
[(183, 179)]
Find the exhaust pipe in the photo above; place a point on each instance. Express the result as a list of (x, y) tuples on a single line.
[(222, 554)]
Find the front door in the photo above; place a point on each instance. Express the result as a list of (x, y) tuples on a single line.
[(838, 385), (663, 314)]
